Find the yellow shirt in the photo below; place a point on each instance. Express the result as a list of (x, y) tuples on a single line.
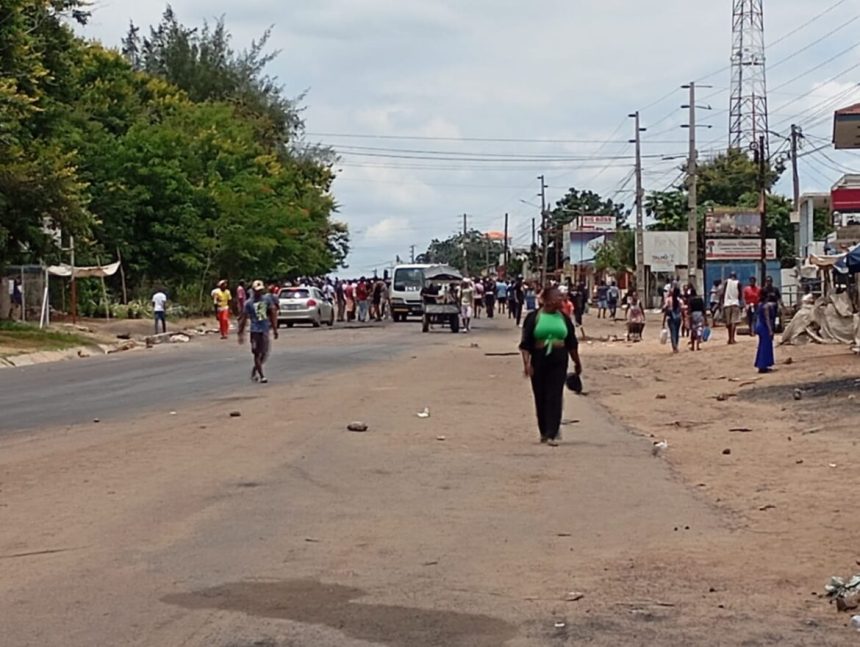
[(222, 298)]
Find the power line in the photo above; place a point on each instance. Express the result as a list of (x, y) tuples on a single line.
[(797, 52), (448, 156), (820, 65), (807, 23)]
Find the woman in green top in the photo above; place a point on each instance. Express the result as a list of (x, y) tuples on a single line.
[(548, 341)]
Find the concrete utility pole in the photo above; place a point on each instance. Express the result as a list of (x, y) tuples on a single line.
[(412, 253), (641, 286), (506, 243), (692, 186), (796, 134), (465, 253), (761, 158), (543, 230)]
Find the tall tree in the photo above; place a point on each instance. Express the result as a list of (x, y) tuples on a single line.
[(482, 253), (39, 184), (574, 204)]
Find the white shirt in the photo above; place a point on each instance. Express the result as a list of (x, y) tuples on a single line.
[(732, 293), (158, 301)]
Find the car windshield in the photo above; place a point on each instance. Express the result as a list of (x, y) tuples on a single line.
[(408, 279), (295, 294)]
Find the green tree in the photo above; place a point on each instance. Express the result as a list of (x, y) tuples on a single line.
[(668, 209), (39, 184), (574, 204), (618, 253), (482, 253), (726, 178)]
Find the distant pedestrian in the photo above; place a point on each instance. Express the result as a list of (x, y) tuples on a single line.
[(349, 295), (241, 296), (580, 299), (490, 297), (16, 299), (223, 298), (467, 299), (752, 298), (159, 302), (548, 342), (341, 300), (602, 300), (698, 321), (613, 296), (764, 359), (261, 315), (361, 295), (501, 295), (479, 297), (517, 299), (714, 297), (672, 316), (731, 305)]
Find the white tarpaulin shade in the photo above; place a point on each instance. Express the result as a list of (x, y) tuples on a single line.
[(94, 271), (830, 320)]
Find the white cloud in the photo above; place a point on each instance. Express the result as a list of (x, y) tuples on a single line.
[(509, 69), (388, 230)]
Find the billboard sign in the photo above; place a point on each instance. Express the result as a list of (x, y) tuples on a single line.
[(584, 245), (666, 250), (732, 222), (738, 249), (596, 223)]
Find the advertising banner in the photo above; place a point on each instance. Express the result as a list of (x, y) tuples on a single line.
[(584, 244), (666, 250), (596, 223), (735, 222), (738, 249)]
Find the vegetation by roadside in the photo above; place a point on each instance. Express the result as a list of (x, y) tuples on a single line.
[(17, 338)]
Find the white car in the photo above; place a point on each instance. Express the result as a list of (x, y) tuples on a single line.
[(304, 305)]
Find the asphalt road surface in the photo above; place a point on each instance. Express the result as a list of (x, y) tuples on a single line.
[(118, 386)]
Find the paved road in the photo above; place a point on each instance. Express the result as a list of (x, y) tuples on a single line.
[(116, 386)]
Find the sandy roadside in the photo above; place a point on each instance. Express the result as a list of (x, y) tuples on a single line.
[(781, 468), (459, 529)]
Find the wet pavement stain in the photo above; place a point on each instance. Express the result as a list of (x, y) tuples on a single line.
[(336, 606)]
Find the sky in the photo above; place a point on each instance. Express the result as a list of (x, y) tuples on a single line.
[(498, 92)]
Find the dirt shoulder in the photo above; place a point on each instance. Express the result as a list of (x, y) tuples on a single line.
[(280, 527), (777, 453)]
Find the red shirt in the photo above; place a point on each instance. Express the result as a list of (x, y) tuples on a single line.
[(752, 295), (361, 292), (567, 308)]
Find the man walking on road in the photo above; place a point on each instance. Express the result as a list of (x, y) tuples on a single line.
[(731, 303), (752, 298), (222, 298), (159, 300), (261, 312)]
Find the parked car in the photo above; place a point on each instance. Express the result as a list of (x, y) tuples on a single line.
[(304, 305)]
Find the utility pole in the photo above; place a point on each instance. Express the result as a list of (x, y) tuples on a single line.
[(506, 243), (761, 158), (796, 134), (533, 232), (465, 253), (412, 254), (74, 283), (543, 230), (692, 188), (641, 286)]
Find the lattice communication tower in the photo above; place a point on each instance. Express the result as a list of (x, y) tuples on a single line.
[(748, 104)]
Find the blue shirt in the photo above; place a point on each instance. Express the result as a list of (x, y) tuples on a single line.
[(258, 313), (502, 290)]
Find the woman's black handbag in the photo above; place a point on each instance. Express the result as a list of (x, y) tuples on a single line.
[(574, 382)]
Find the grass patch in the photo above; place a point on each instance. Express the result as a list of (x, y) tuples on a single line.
[(17, 338)]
